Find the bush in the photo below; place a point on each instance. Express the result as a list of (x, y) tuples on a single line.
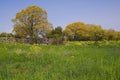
[(35, 49)]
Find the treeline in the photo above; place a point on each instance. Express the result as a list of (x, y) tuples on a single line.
[(79, 31), (4, 34), (32, 23)]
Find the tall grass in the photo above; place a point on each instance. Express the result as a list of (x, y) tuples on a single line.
[(64, 62)]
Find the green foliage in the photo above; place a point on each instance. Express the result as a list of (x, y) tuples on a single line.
[(79, 31), (76, 31), (111, 34), (30, 21), (56, 35), (96, 32), (103, 43), (4, 34)]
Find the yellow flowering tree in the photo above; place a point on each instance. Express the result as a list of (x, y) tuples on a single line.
[(31, 21), (76, 31)]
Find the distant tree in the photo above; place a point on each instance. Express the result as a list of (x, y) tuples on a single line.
[(111, 34), (30, 22), (118, 35), (56, 35), (76, 31), (57, 30), (80, 31), (4, 34), (96, 32)]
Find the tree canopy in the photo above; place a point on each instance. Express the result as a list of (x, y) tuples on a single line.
[(80, 31), (76, 31), (30, 21)]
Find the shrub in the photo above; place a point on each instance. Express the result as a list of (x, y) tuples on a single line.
[(35, 49)]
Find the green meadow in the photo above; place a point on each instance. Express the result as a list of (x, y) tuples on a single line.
[(73, 61)]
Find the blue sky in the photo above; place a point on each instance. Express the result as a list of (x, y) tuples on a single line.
[(63, 12)]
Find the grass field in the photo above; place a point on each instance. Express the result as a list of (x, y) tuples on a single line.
[(64, 62)]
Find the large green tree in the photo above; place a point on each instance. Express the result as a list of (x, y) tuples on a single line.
[(30, 21)]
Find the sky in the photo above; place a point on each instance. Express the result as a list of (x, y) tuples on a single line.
[(63, 12)]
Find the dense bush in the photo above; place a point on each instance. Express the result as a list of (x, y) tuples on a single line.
[(94, 43)]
